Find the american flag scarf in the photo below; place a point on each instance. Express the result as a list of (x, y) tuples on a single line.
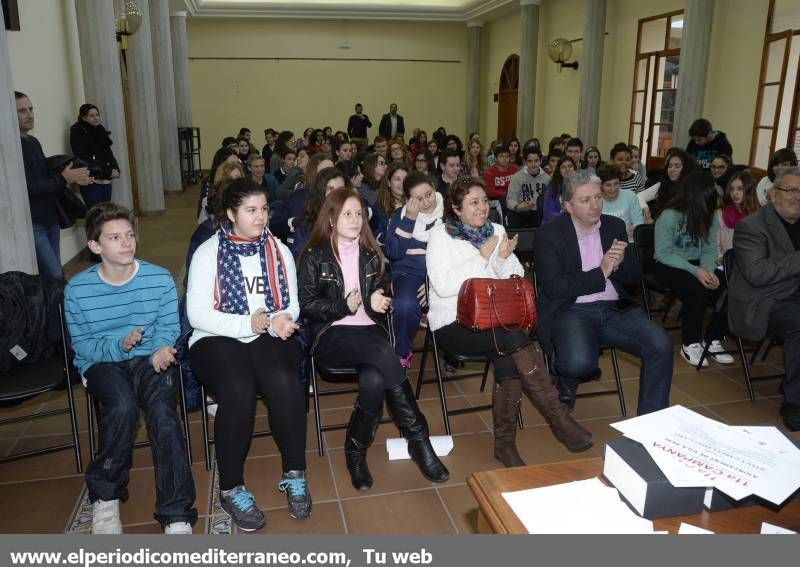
[(230, 294)]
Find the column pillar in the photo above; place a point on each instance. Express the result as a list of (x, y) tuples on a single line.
[(144, 118), (697, 17), (180, 65), (102, 83), (165, 95), (474, 30), (17, 252), (591, 71), (528, 56)]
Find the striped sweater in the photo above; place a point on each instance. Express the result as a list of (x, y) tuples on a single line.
[(99, 315)]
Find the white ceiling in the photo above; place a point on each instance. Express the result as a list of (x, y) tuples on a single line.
[(428, 10)]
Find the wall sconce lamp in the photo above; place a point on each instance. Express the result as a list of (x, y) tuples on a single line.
[(560, 51), (127, 22)]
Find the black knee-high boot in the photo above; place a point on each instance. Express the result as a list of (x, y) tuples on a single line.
[(414, 428), (360, 434)]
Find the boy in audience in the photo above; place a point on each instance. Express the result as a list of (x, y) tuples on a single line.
[(289, 161), (122, 316), (344, 151), (552, 160), (243, 151), (381, 146), (498, 177), (707, 143), (524, 190), (450, 163), (258, 171), (269, 147), (574, 152)]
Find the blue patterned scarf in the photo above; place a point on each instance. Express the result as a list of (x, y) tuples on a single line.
[(230, 294), (475, 236)]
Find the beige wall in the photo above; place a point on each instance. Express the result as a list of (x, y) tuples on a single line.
[(231, 92), (500, 38), (45, 65)]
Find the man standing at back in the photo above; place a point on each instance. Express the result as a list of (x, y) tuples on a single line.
[(764, 285), (357, 127), (582, 262), (391, 123), (707, 143)]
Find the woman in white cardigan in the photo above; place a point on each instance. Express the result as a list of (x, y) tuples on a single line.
[(467, 246)]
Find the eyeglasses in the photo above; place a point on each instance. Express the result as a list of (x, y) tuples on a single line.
[(793, 191)]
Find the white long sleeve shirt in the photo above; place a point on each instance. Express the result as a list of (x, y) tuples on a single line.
[(206, 320)]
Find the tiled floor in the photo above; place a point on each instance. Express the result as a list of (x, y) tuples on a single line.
[(41, 494)]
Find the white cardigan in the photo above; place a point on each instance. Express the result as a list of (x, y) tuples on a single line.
[(207, 321), (450, 262)]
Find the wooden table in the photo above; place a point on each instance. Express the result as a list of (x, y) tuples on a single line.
[(496, 516)]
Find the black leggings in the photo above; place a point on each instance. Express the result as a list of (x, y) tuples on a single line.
[(234, 371), (367, 349), (456, 338)]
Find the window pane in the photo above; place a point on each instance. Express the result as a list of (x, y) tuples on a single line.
[(775, 61), (636, 138), (763, 150), (638, 107), (652, 35), (665, 106), (662, 135), (769, 102), (785, 15), (675, 32), (669, 69), (641, 74)]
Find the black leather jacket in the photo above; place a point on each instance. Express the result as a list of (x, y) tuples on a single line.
[(322, 294)]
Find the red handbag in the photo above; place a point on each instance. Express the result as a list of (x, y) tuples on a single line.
[(486, 303)]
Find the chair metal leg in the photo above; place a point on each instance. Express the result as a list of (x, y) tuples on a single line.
[(756, 350), (618, 378), (204, 421), (440, 382), (646, 299), (485, 375), (73, 417), (703, 356), (184, 416), (91, 413), (423, 361), (746, 367), (317, 416), (668, 308)]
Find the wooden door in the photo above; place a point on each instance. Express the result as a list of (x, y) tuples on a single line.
[(507, 98)]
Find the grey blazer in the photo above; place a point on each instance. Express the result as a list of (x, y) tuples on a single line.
[(766, 270)]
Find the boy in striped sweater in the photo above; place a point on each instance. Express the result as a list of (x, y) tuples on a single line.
[(122, 316)]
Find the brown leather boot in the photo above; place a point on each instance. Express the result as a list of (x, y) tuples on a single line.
[(506, 398), (538, 386)]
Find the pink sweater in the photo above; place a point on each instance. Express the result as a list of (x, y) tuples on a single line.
[(348, 261)]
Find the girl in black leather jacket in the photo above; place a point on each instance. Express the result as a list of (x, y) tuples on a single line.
[(344, 301)]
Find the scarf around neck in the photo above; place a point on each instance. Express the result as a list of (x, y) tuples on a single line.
[(426, 221), (475, 236), (230, 294), (731, 215)]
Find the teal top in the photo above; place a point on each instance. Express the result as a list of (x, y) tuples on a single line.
[(99, 315), (673, 247), (625, 206)]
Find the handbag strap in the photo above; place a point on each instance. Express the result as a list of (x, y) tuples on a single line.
[(493, 304)]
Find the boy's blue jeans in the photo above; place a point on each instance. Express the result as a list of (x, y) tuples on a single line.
[(122, 388)]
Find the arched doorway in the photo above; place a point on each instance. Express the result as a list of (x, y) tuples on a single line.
[(507, 98)]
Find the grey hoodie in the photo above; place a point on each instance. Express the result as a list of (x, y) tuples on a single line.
[(526, 187)]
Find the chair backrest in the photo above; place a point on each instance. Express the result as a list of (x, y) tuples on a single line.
[(728, 260), (644, 236), (526, 238), (540, 208)]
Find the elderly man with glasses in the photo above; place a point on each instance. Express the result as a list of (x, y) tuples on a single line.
[(764, 290)]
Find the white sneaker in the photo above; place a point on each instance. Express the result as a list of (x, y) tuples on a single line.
[(178, 528), (692, 354), (105, 517), (717, 352), (211, 406)]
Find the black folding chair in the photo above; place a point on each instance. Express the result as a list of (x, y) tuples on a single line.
[(29, 380), (644, 245)]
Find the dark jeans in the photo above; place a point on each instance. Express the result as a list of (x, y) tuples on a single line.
[(96, 193), (234, 371), (784, 323), (695, 297), (406, 310), (367, 349), (47, 240), (121, 388), (458, 339), (579, 330)]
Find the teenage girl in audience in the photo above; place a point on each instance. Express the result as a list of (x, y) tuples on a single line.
[(297, 201), (635, 163), (327, 180), (390, 192), (294, 176), (398, 153), (285, 140), (242, 344), (468, 245), (514, 153), (552, 193), (620, 158), (423, 162), (229, 169), (406, 240), (433, 148), (305, 141), (374, 169), (686, 257), (720, 169), (592, 159), (344, 299), (783, 158), (420, 144), (552, 161), (474, 161), (453, 142), (739, 201), (220, 156), (677, 165)]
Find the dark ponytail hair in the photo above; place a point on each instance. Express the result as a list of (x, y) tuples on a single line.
[(697, 198)]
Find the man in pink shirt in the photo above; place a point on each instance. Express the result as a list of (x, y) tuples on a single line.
[(582, 264)]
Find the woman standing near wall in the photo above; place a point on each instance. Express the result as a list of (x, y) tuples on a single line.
[(91, 142)]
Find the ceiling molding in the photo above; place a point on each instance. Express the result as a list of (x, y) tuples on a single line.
[(475, 10)]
